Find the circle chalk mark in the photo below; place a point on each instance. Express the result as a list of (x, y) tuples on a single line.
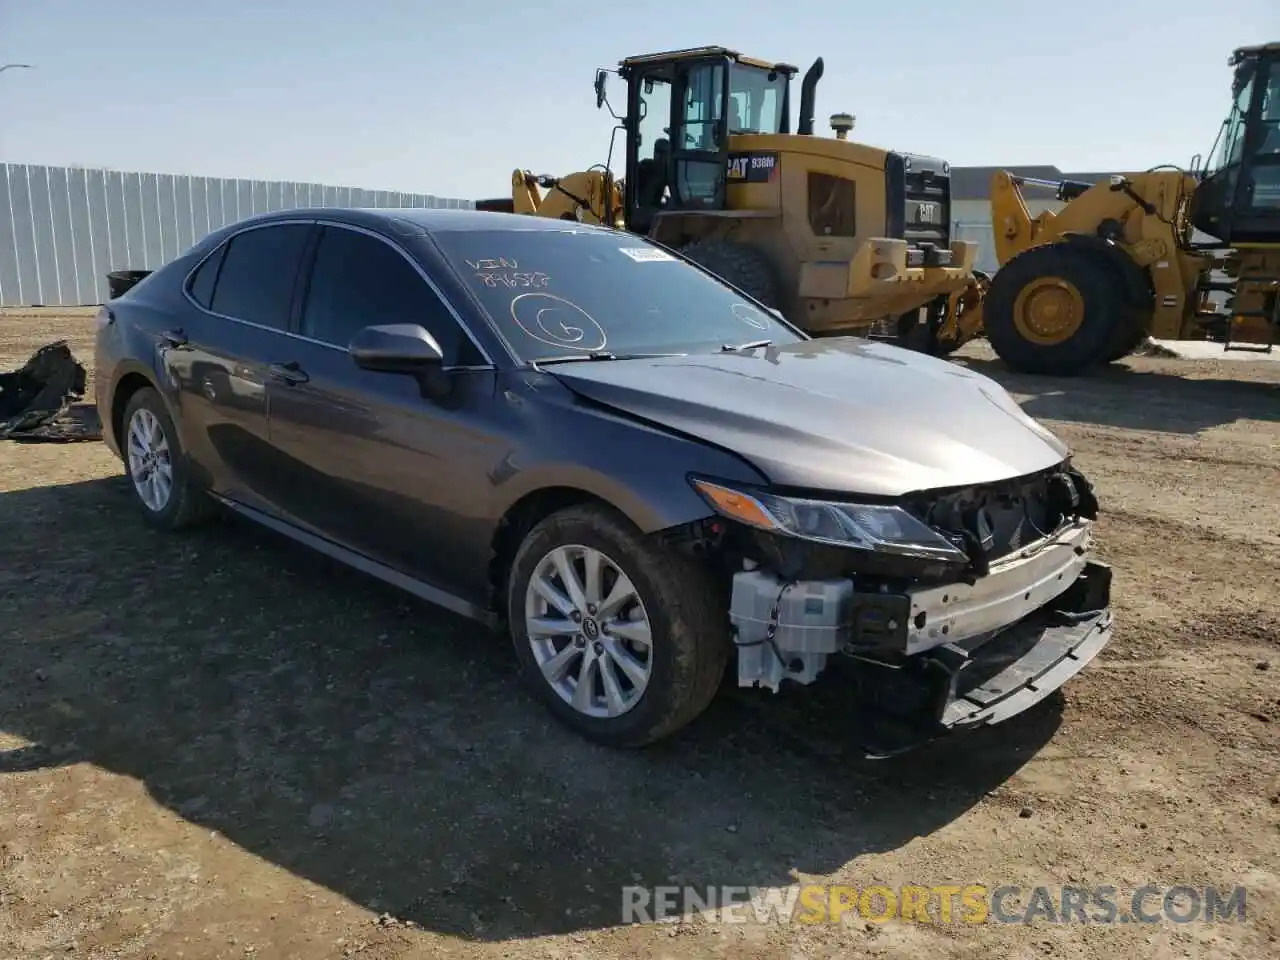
[(530, 312)]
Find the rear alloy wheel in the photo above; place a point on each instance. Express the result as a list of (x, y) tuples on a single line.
[(157, 465), (620, 638), (150, 460)]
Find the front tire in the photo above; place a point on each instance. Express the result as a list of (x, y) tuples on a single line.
[(744, 267), (1057, 309), (159, 475), (624, 641)]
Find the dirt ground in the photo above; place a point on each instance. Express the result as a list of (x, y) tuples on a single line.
[(219, 745)]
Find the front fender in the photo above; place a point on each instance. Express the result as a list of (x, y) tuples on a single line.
[(651, 506), (639, 468)]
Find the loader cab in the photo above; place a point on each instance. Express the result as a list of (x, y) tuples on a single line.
[(1238, 200), (682, 107)]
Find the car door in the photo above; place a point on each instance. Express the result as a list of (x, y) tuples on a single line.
[(377, 463), (244, 293)]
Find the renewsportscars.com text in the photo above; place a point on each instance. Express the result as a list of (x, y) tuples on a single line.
[(940, 904)]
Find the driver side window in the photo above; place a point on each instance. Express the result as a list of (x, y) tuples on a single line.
[(359, 281)]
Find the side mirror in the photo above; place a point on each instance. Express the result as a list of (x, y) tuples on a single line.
[(601, 76), (396, 348)]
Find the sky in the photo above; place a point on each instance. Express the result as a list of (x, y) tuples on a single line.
[(447, 98)]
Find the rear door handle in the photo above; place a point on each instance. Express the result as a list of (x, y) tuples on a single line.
[(289, 372)]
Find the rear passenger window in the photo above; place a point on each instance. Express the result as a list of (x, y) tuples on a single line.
[(206, 276), (359, 281), (258, 272)]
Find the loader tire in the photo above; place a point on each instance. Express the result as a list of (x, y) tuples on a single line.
[(1057, 309), (912, 332), (1124, 345), (744, 267)]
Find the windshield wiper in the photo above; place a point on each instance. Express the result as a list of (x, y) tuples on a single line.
[(749, 345), (600, 355), (570, 357)]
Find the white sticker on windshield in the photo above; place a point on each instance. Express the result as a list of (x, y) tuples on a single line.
[(646, 254)]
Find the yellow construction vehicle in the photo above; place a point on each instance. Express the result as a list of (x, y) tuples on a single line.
[(590, 196), (1120, 261), (836, 235)]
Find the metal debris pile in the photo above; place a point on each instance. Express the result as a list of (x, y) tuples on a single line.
[(40, 400)]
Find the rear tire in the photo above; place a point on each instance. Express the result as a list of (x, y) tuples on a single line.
[(1057, 309), (744, 267), (157, 467), (649, 692)]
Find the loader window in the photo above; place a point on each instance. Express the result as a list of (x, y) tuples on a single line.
[(1230, 146), (654, 143), (755, 101), (700, 182), (1265, 172), (1269, 142), (702, 107)]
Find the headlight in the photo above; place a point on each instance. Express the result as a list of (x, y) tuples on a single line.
[(886, 529)]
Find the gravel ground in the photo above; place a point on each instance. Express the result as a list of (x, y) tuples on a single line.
[(219, 745)]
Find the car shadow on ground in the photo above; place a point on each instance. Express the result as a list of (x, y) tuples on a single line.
[(1119, 396), (379, 747)]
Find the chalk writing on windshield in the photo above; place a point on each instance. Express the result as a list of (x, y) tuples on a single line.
[(557, 322), (749, 315), (505, 272)]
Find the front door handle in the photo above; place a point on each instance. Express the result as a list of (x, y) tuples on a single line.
[(289, 372)]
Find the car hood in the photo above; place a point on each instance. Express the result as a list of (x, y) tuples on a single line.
[(840, 414)]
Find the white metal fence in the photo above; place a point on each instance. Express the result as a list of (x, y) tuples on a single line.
[(63, 228)]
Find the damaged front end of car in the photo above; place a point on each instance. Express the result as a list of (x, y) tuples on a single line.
[(962, 607)]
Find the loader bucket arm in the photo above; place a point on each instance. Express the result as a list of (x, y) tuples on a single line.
[(1011, 223), (525, 196)]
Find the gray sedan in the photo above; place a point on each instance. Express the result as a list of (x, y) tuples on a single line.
[(642, 475)]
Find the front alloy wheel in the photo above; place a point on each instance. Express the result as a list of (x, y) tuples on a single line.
[(624, 639), (588, 631)]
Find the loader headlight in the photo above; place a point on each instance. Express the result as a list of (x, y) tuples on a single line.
[(886, 529)]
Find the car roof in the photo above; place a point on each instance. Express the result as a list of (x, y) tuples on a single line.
[(430, 219)]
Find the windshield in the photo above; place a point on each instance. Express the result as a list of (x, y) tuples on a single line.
[(755, 101), (556, 293)]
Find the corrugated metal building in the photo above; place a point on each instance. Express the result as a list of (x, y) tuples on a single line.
[(63, 228)]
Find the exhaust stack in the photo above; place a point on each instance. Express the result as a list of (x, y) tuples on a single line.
[(808, 86)]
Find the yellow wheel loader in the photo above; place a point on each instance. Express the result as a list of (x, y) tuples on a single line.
[(837, 236), (1121, 259), (590, 196)]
